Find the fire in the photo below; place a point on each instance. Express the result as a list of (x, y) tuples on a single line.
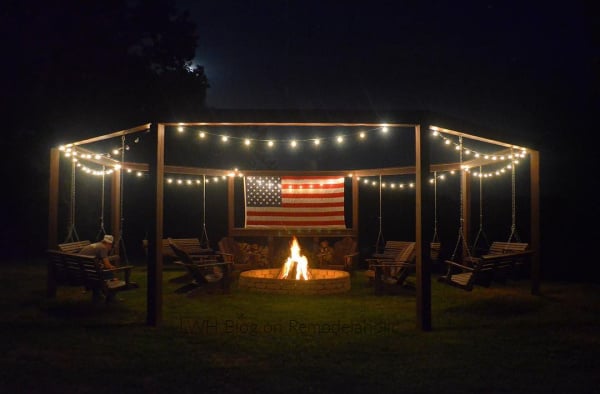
[(295, 262)]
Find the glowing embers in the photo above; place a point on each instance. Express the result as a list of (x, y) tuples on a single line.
[(296, 266)]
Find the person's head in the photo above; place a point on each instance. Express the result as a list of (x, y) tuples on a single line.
[(108, 241)]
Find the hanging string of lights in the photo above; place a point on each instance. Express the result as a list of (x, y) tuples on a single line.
[(293, 143), (508, 160)]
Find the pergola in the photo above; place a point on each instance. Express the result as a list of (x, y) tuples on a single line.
[(420, 124)]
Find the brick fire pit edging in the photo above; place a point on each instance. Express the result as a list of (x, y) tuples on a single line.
[(322, 282)]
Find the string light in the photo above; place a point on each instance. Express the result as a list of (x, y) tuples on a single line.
[(69, 151)]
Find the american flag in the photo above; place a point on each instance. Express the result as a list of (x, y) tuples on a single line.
[(295, 201)]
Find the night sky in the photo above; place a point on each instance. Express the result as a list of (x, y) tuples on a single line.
[(503, 63)]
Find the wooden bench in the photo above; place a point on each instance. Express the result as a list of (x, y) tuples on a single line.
[(497, 265), (76, 247), (73, 247), (68, 269)]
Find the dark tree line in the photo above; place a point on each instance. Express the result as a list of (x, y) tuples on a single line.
[(102, 63)]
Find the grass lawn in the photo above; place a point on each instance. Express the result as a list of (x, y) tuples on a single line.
[(492, 340)]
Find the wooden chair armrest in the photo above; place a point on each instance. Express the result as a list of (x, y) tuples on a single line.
[(392, 264), (118, 269), (372, 261), (208, 263), (204, 257), (229, 257), (509, 255), (457, 265), (380, 256)]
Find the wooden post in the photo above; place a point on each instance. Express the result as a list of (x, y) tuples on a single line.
[(422, 214), (53, 198), (52, 217), (355, 207), (115, 203), (534, 169), (155, 234)]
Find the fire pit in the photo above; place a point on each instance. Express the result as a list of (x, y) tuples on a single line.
[(295, 278)]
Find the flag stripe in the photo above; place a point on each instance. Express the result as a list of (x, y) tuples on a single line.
[(295, 201), (288, 223), (295, 214)]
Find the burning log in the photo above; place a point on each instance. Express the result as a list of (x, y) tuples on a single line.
[(296, 266)]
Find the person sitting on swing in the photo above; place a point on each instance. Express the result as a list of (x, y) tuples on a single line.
[(100, 250), (325, 254)]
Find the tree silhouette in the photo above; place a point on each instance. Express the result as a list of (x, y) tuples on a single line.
[(104, 64), (74, 69)]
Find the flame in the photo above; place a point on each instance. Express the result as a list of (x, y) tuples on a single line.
[(295, 260)]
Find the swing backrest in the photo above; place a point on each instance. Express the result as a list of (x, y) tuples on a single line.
[(507, 247), (399, 251), (73, 247)]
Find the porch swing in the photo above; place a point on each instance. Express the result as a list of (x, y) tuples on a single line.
[(497, 264), (513, 244)]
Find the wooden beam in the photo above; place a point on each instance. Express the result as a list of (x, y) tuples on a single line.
[(113, 135), (474, 137), (289, 124), (186, 170)]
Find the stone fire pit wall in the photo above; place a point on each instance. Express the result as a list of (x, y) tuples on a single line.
[(322, 282)]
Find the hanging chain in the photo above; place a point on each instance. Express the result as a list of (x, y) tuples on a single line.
[(204, 238), (102, 231), (513, 228), (480, 232), (122, 181), (72, 232), (435, 216), (380, 240)]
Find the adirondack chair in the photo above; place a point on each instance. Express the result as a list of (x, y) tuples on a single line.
[(393, 266), (242, 260), (343, 255), (204, 273)]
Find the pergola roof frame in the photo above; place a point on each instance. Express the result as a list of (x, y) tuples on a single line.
[(423, 167)]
